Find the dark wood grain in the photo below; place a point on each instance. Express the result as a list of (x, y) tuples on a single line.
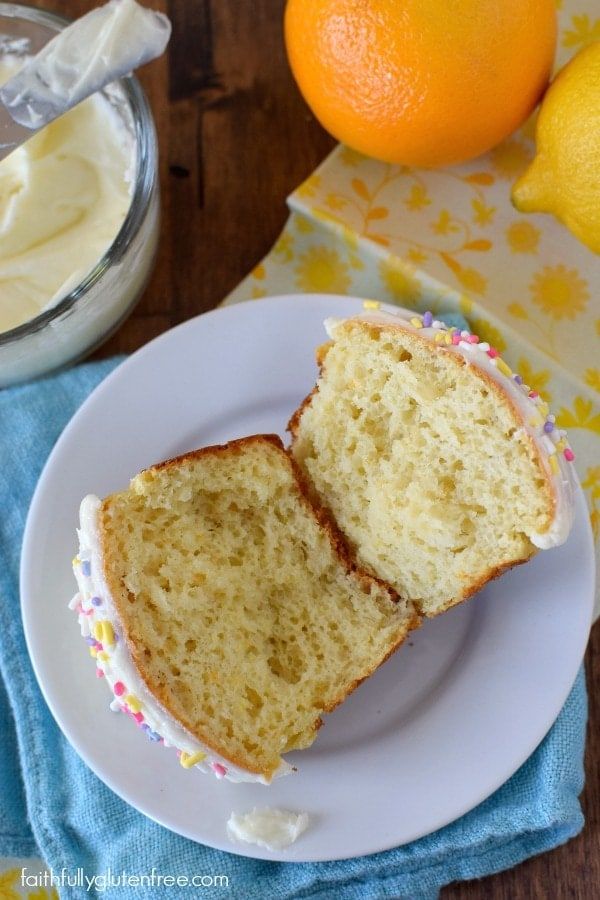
[(235, 139)]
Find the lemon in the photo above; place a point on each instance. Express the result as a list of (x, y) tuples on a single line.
[(564, 177)]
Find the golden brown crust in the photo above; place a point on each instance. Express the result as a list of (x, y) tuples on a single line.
[(501, 395), (294, 423), (477, 585), (364, 579), (322, 351), (234, 446)]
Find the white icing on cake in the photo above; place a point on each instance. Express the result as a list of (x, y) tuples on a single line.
[(538, 423), (274, 829), (98, 617)]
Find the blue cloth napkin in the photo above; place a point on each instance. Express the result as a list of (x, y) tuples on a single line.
[(52, 805)]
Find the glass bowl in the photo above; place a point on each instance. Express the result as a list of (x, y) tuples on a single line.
[(85, 317)]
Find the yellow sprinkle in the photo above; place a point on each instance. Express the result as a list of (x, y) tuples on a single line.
[(447, 338), (75, 561), (103, 655), (502, 367), (371, 304), (543, 408), (416, 323), (554, 464), (562, 444), (188, 760), (103, 632), (535, 421), (93, 652), (133, 703), (440, 337)]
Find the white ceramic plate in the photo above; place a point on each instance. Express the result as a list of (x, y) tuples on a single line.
[(436, 730)]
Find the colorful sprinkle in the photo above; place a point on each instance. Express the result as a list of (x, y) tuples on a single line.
[(473, 339), (103, 655), (86, 568), (502, 367), (533, 394), (371, 304), (119, 688), (188, 760), (99, 673), (569, 455), (133, 703), (493, 353), (440, 337), (75, 562), (97, 601), (518, 379), (93, 652), (91, 641), (219, 770), (543, 408), (103, 631), (554, 464), (416, 323), (456, 338), (427, 319), (154, 736), (139, 717), (548, 426)]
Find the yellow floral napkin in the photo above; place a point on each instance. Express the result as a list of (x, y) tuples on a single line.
[(450, 240)]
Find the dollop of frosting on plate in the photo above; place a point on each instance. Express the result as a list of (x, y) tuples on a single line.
[(537, 420), (274, 829), (101, 630)]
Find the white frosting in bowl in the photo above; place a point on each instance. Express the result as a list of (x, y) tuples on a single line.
[(101, 628), (64, 196)]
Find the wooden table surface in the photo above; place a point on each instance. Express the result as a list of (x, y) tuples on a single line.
[(235, 139)]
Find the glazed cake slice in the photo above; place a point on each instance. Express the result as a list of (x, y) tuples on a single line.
[(222, 608), (440, 467)]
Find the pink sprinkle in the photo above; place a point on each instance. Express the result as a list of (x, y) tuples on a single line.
[(139, 717), (493, 353), (456, 338), (99, 646), (473, 339), (99, 673), (219, 770), (533, 394), (179, 753), (79, 608), (119, 688), (569, 455)]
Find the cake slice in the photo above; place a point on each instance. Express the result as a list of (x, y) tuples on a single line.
[(223, 609), (440, 467)]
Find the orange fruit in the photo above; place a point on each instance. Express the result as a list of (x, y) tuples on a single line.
[(421, 82)]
